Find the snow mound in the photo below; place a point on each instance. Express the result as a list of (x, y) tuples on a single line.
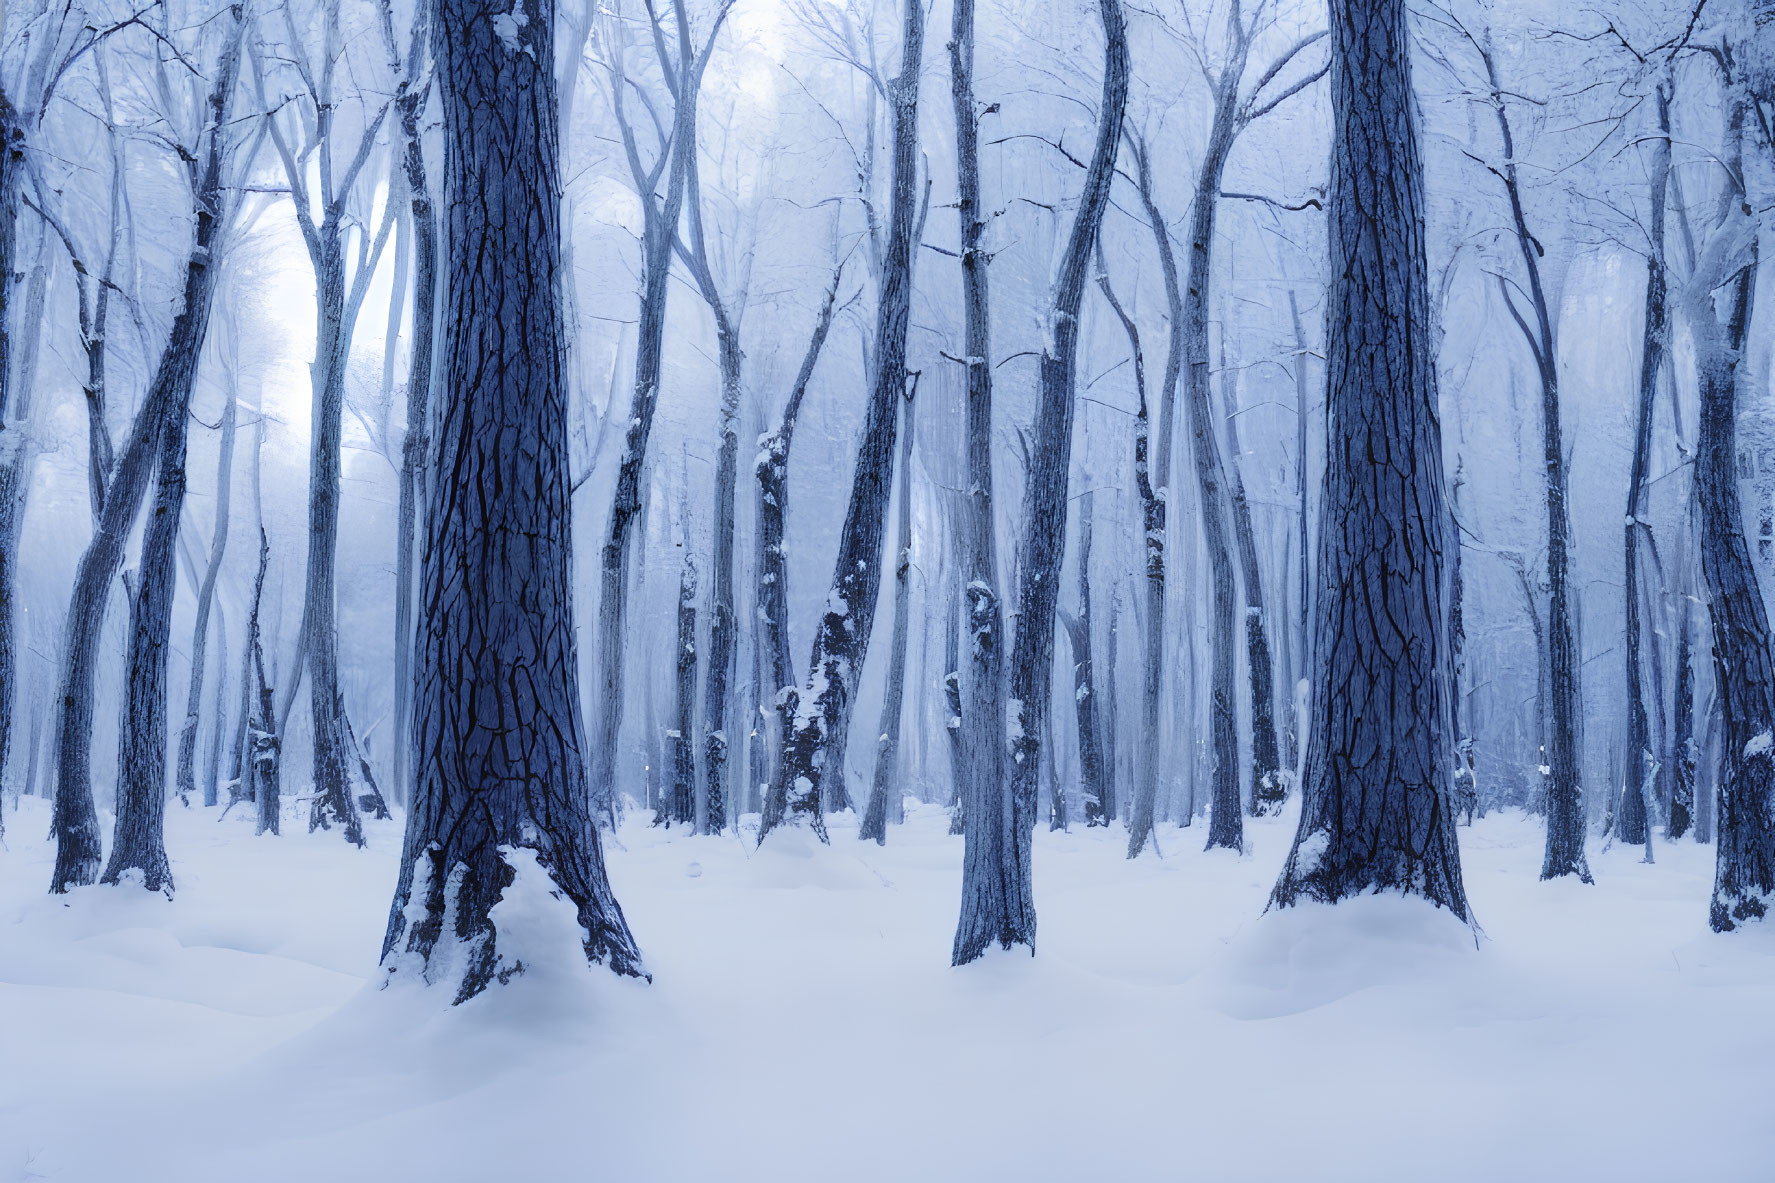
[(1296, 959)]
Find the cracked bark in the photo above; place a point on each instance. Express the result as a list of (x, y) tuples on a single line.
[(499, 756), (1375, 812)]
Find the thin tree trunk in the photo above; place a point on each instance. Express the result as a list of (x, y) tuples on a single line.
[(1226, 822), (814, 747), (997, 900), (660, 229), (1631, 820), (264, 757), (1152, 475), (977, 694), (1375, 811), (139, 842), (1084, 682), (682, 804), (499, 779), (409, 103), (886, 780), (772, 471), (74, 821), (1565, 797), (1269, 786), (206, 594)]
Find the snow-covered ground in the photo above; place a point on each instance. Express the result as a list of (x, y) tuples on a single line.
[(804, 1024)]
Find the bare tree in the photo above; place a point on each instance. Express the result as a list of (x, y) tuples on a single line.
[(815, 744), (139, 844), (1375, 810), (997, 902), (326, 214), (499, 773), (886, 779), (681, 66)]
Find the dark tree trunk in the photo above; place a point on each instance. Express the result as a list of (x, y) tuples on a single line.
[(886, 779), (1744, 672), (1565, 795), (1226, 823), (497, 731), (998, 904), (1084, 683), (1375, 811), (722, 624), (206, 594), (977, 694), (773, 564), (1269, 786), (264, 751), (814, 747), (1631, 819), (74, 821), (1683, 747), (138, 841), (682, 805)]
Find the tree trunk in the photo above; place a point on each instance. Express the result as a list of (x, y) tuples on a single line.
[(74, 821), (498, 760), (1683, 746), (1744, 673), (660, 228), (682, 804), (1375, 811), (18, 446), (334, 801), (1084, 683), (1269, 784), (997, 901), (1631, 819), (264, 758), (1565, 796), (772, 471), (814, 747), (206, 595), (886, 779), (1152, 475), (139, 841), (977, 694), (722, 621), (958, 813), (1226, 824), (410, 101)]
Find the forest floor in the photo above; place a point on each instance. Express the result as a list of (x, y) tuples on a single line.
[(804, 1023)]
